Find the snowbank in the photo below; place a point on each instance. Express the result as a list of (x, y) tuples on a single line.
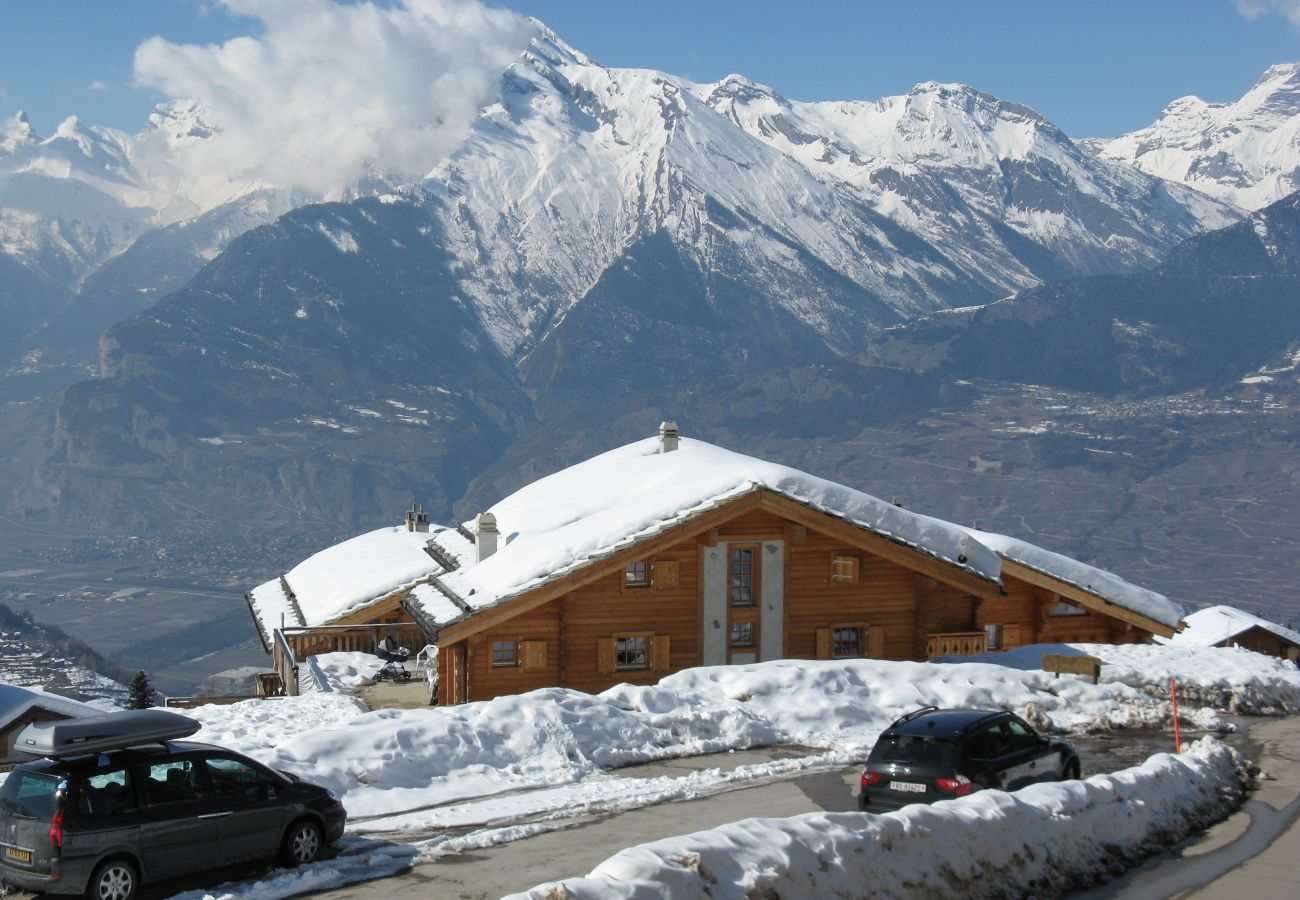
[(1043, 840), (391, 761), (1227, 679)]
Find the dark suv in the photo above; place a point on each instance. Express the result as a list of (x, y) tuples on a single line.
[(938, 754), (103, 818)]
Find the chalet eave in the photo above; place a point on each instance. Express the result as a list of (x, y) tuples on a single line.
[(1087, 599), (698, 523)]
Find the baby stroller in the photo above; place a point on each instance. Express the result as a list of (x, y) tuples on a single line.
[(393, 657)]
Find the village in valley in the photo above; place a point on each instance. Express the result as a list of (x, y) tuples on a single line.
[(439, 463)]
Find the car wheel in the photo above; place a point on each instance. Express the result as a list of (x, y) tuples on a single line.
[(302, 843), (114, 879)]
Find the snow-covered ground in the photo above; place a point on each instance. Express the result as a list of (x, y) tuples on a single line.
[(519, 764)]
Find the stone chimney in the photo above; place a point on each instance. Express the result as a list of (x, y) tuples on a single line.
[(485, 536), (417, 519), (667, 437)]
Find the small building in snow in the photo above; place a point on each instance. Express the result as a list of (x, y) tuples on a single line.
[(21, 706), (1227, 626), (670, 553)]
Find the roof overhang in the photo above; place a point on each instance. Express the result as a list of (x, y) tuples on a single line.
[(1087, 599)]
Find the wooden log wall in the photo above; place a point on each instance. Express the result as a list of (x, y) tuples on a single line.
[(883, 597)]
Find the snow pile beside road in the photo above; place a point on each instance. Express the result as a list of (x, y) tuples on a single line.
[(394, 760), (842, 703), (1043, 840), (1228, 679)]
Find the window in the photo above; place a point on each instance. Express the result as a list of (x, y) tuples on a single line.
[(740, 568), (503, 653), (742, 634), (637, 575), (174, 781), (992, 633), (104, 794), (844, 569), (632, 652), (846, 640), (236, 780)]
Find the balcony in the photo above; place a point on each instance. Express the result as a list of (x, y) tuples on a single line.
[(956, 643)]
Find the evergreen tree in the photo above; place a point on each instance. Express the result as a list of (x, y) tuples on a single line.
[(141, 694)]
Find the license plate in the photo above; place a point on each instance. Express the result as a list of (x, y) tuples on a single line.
[(910, 786), (22, 856)]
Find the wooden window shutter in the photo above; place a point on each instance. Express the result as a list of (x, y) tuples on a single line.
[(605, 656), (664, 574), (1010, 636), (534, 654), (844, 568), (876, 642), (823, 643), (662, 653)]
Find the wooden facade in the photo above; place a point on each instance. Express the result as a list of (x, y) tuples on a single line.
[(1261, 640), (760, 578)]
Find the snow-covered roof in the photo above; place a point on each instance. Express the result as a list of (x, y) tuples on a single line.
[(590, 510), (15, 701), (1215, 624), (1103, 584)]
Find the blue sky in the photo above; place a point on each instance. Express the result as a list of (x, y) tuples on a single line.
[(1096, 68)]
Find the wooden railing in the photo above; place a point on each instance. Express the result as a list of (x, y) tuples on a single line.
[(957, 643), (309, 640)]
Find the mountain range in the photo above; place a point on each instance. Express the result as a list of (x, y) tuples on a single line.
[(607, 247)]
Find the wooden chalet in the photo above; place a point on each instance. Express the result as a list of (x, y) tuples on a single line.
[(1227, 626), (668, 554)]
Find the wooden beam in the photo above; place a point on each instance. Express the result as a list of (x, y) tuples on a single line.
[(511, 606), (884, 547), (1086, 599)]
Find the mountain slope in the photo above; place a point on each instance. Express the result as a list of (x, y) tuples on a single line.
[(1222, 305), (1246, 152)]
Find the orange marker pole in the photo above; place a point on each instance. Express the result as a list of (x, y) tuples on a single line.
[(1173, 693)]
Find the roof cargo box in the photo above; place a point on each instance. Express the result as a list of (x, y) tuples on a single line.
[(112, 731)]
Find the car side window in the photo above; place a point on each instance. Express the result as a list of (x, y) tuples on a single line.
[(985, 745), (173, 781), (234, 779), (1021, 737), (105, 794)]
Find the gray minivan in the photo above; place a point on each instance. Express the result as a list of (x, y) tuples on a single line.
[(105, 812)]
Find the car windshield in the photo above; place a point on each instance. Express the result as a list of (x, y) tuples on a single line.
[(914, 750), (30, 795)]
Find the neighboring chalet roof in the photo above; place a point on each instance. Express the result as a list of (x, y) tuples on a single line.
[(1092, 582), (1216, 624), (589, 511), (15, 701)]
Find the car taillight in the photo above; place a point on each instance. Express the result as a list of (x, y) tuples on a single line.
[(870, 778), (56, 829), (959, 786)]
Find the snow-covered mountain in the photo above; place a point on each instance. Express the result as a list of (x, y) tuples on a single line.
[(1246, 152), (853, 213)]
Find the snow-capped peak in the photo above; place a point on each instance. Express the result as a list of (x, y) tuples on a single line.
[(1245, 152), (16, 131)]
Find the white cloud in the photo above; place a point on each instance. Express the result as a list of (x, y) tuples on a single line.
[(1253, 9), (328, 89), (98, 86)]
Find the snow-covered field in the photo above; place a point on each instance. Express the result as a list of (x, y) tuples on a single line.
[(547, 755)]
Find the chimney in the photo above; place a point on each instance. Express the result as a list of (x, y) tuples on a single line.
[(485, 536), (667, 437), (417, 519)]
